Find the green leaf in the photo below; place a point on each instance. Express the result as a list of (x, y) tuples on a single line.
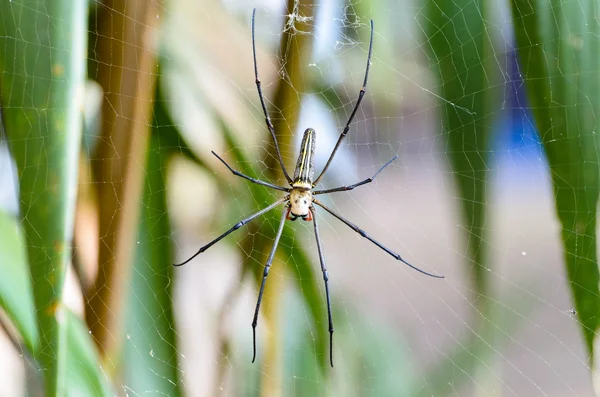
[(16, 295), (83, 375), (456, 40), (559, 43), (460, 54), (302, 376), (301, 267), (42, 67), (150, 351), (374, 358)]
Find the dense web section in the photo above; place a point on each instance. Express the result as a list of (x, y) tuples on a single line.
[(397, 331)]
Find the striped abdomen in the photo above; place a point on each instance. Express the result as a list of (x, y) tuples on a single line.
[(305, 165)]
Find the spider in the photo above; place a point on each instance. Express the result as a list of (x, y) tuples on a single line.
[(300, 196)]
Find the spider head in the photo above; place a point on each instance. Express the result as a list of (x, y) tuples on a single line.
[(300, 202)]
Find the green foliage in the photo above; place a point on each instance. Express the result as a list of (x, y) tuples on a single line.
[(42, 75), (371, 360), (42, 64), (150, 358), (458, 42), (559, 43), (82, 375), (16, 294), (457, 39)]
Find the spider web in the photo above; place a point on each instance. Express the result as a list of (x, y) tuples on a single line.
[(396, 330)]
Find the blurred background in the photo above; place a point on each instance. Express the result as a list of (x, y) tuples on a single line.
[(110, 111)]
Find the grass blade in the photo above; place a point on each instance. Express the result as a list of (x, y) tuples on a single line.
[(16, 293), (459, 48), (83, 375), (150, 351), (42, 66), (558, 45), (456, 39)]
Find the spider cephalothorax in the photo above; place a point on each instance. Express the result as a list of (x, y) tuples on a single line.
[(300, 197), (299, 205)]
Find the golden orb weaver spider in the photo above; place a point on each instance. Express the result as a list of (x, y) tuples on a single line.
[(301, 196)]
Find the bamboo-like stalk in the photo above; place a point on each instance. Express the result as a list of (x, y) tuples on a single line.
[(295, 49), (126, 70)]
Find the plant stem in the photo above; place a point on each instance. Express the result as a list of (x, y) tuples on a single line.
[(125, 68), (294, 49)]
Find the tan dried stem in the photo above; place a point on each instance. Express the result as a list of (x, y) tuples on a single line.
[(126, 51), (295, 49)]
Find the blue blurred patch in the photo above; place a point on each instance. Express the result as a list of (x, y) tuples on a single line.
[(516, 135)]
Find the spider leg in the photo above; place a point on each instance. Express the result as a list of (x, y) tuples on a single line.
[(253, 180), (350, 187), (360, 97), (365, 235), (233, 228), (264, 107), (264, 280), (326, 278)]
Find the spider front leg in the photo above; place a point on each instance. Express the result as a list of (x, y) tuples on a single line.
[(264, 280), (253, 180), (361, 94), (264, 106), (350, 187)]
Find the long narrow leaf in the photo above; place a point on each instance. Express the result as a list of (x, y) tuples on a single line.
[(558, 45), (42, 67), (150, 351), (83, 375), (16, 293), (456, 39)]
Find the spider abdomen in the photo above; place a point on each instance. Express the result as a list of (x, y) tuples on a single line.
[(303, 175)]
